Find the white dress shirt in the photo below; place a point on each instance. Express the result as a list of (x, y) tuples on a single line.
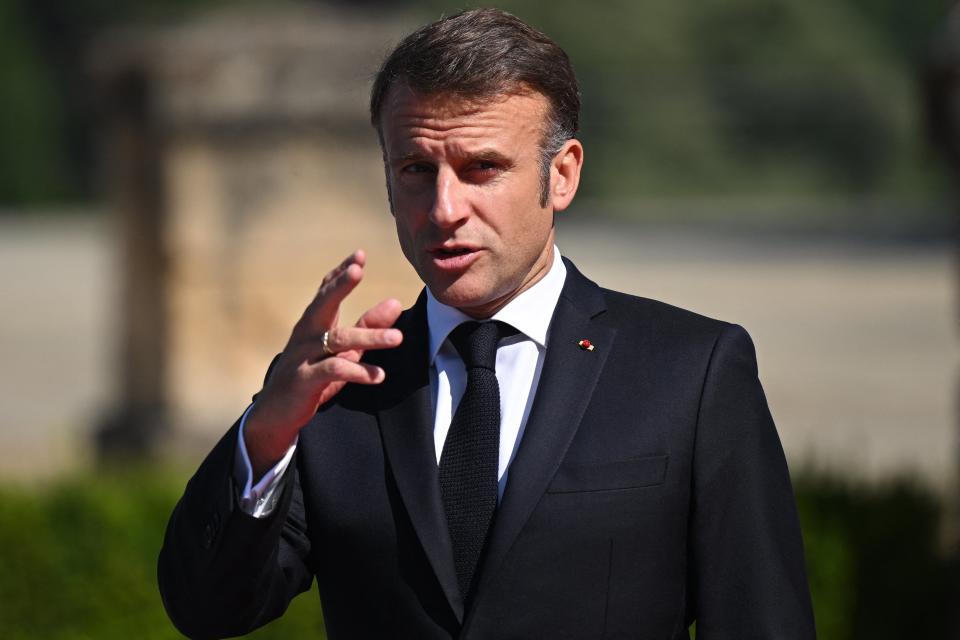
[(519, 361), (519, 364)]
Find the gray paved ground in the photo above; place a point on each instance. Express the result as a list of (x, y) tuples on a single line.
[(857, 345), (56, 289)]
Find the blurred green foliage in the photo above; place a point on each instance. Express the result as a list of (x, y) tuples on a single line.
[(79, 560), (736, 98), (33, 166), (739, 97), (874, 560), (48, 120)]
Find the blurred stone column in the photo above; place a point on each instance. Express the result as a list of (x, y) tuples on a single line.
[(133, 152), (242, 166)]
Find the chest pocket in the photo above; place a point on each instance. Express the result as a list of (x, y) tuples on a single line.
[(633, 473)]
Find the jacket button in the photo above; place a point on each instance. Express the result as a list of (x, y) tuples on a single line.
[(208, 535)]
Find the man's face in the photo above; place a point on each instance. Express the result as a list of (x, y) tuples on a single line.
[(464, 183)]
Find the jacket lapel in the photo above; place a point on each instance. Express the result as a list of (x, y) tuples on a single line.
[(406, 427), (567, 382)]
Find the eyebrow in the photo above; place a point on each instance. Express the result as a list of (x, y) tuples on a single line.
[(413, 155), (491, 155), (487, 155)]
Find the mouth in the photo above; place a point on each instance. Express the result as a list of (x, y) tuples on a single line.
[(453, 258), (451, 251)]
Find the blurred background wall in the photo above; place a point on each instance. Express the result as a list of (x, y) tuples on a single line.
[(176, 177)]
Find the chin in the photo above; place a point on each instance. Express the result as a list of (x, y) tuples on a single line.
[(460, 296), (459, 299)]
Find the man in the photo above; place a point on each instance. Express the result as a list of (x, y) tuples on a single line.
[(581, 463)]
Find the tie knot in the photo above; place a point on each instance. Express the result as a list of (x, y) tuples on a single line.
[(476, 342)]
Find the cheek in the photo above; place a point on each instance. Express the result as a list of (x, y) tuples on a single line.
[(410, 208), (405, 236), (527, 223)]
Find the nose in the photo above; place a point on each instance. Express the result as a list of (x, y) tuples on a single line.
[(450, 205)]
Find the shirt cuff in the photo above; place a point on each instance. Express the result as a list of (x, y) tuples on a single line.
[(260, 499)]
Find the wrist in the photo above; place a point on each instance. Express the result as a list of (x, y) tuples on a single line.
[(266, 441)]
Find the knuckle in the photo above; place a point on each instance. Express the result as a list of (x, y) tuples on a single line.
[(337, 367), (303, 371), (334, 338)]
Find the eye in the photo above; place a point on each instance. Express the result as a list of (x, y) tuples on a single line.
[(417, 168), (485, 165), (482, 171)]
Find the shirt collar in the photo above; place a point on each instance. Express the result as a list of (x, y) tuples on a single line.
[(530, 312)]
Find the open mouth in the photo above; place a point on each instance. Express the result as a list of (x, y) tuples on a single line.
[(453, 259), (457, 251)]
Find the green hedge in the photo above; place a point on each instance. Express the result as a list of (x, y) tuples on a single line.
[(875, 560), (78, 560)]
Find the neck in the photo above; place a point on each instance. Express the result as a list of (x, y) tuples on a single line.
[(540, 269)]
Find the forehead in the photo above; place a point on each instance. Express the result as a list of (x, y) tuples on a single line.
[(410, 118)]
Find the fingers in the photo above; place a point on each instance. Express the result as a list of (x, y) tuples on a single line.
[(384, 314), (374, 330), (342, 370), (358, 257), (345, 339), (322, 312)]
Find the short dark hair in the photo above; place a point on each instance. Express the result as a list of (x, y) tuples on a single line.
[(483, 53)]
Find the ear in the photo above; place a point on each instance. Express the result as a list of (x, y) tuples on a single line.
[(565, 174)]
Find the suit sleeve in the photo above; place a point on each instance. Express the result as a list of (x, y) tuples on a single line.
[(748, 577), (221, 571)]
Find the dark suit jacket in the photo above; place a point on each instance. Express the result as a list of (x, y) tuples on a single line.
[(649, 489)]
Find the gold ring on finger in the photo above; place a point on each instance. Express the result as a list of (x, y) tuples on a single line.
[(325, 342)]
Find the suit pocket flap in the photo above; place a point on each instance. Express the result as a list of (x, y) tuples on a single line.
[(606, 476)]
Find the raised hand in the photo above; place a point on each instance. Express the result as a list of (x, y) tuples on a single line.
[(318, 360)]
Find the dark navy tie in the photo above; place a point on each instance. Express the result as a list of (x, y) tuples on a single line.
[(471, 452)]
